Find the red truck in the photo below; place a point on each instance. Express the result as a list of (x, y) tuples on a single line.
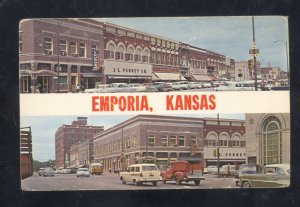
[(184, 170)]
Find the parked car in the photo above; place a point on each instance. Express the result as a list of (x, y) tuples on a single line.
[(162, 87), (175, 86), (198, 85), (245, 169), (141, 173), (183, 85), (206, 85), (237, 86), (41, 171), (48, 172), (137, 87), (83, 172), (272, 176), (149, 87), (119, 88), (210, 169), (191, 85), (98, 89)]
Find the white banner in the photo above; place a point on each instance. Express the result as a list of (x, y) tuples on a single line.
[(154, 103)]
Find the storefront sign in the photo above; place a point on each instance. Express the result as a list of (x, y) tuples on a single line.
[(165, 70), (125, 68), (95, 56)]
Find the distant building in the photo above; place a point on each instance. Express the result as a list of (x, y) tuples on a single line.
[(70, 135), (268, 138)]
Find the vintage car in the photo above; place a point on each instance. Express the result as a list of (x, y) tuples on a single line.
[(210, 169), (98, 89), (83, 172), (245, 169), (273, 176), (141, 173)]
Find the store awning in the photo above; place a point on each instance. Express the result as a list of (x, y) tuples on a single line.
[(91, 75), (167, 76), (129, 77), (201, 77)]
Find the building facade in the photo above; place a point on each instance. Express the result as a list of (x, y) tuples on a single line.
[(229, 136), (268, 138), (75, 45), (71, 135), (158, 139), (56, 55)]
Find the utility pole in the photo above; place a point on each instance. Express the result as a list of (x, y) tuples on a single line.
[(254, 54)]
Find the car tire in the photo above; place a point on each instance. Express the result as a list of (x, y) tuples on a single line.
[(197, 182), (177, 181), (123, 181), (246, 185), (154, 183)]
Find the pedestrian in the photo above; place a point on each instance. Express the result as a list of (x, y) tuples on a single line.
[(78, 88), (109, 170)]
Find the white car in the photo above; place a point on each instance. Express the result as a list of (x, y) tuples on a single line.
[(98, 89), (137, 87), (141, 173), (83, 172), (206, 85)]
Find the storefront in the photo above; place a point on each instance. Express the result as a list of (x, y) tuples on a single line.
[(126, 72), (166, 74)]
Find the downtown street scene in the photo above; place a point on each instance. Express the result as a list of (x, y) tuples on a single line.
[(158, 152)]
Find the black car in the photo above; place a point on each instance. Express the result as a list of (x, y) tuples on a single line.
[(246, 169)]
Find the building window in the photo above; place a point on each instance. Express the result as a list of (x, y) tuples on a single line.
[(110, 51), (130, 54), (151, 139), (73, 48), (193, 140), (120, 52), (146, 56), (181, 140), (173, 140), (271, 141), (164, 140), (63, 47), (48, 45), (20, 42), (137, 55), (82, 49)]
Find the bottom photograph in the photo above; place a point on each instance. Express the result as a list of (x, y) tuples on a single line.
[(150, 152)]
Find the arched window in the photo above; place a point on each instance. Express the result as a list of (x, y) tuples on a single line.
[(146, 54), (120, 52), (224, 138), (137, 55), (211, 139), (130, 52), (271, 141), (110, 51)]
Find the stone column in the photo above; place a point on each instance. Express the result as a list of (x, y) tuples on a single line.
[(69, 79)]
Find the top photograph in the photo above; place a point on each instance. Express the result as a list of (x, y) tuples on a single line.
[(115, 55)]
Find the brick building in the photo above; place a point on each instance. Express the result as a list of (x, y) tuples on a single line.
[(70, 43), (69, 135), (230, 134), (90, 52), (156, 138), (165, 138)]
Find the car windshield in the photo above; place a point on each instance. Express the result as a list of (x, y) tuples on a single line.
[(149, 168), (248, 169)]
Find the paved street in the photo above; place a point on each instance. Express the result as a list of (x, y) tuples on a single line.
[(108, 181)]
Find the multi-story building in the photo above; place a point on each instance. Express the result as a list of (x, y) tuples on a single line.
[(165, 138), (268, 138), (56, 55), (149, 137), (75, 45), (229, 136), (69, 135), (241, 71), (81, 153)]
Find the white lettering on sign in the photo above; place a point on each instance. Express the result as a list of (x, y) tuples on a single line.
[(126, 68)]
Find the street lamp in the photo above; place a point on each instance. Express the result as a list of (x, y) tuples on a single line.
[(287, 57)]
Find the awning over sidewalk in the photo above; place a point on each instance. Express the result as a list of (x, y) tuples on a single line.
[(91, 75), (167, 76), (201, 77), (129, 77)]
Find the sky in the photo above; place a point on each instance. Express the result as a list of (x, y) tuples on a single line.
[(44, 127), (231, 36)]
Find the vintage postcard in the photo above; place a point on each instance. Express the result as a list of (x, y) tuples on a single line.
[(154, 103)]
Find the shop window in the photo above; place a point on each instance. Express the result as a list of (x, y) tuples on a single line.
[(82, 49), (48, 45)]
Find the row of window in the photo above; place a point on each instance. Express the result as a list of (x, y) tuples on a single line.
[(225, 143)]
